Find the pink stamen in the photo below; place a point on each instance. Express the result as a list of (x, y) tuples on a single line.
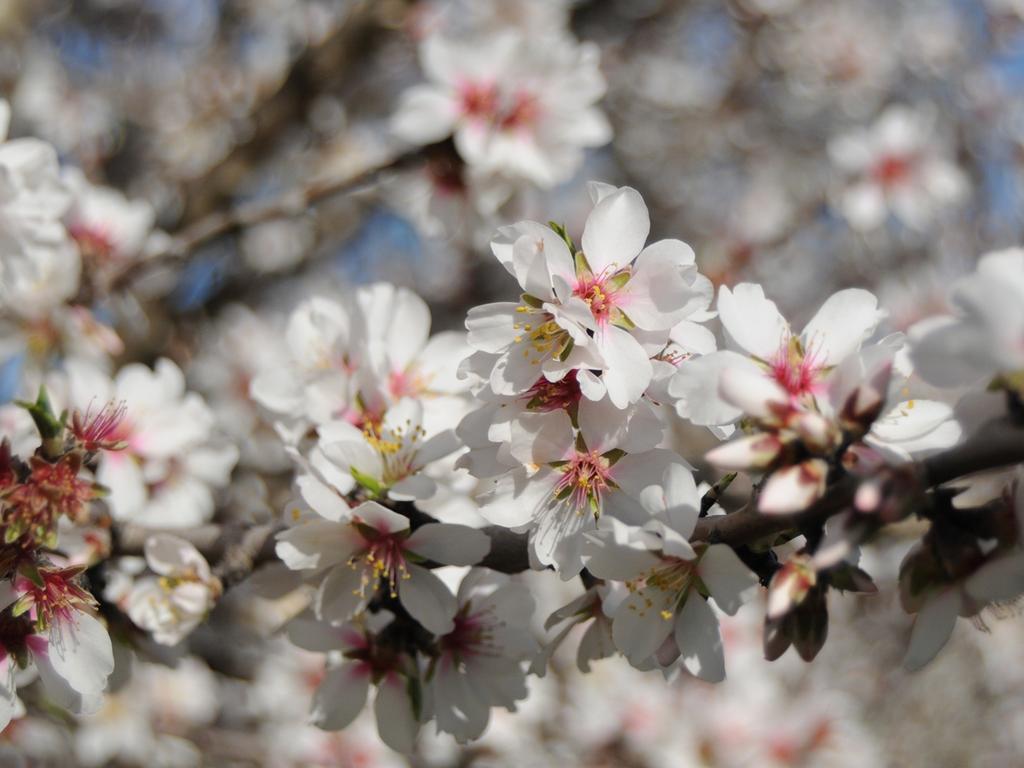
[(798, 371), (598, 295)]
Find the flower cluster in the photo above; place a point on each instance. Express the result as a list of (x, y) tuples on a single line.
[(48, 621)]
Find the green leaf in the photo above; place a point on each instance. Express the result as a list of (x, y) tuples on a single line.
[(48, 424)]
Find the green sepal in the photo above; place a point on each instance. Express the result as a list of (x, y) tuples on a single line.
[(564, 352), (560, 230), (366, 481), (415, 692), (581, 264), (619, 279), (531, 301), (30, 572)]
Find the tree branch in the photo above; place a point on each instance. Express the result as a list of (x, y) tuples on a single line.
[(238, 549), (290, 204)]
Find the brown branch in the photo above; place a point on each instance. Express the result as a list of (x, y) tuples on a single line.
[(998, 444)]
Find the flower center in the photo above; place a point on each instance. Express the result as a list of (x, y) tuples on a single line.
[(892, 170), (598, 295), (384, 559), (584, 478), (473, 635), (540, 336), (796, 370), (559, 395), (95, 242), (663, 586)]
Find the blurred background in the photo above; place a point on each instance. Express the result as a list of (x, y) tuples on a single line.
[(804, 144)]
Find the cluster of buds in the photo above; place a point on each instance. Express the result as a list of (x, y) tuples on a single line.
[(797, 611), (799, 440)]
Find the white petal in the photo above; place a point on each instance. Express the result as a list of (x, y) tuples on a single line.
[(696, 385), (341, 696), (841, 325), (340, 594), (424, 115), (730, 582), (321, 498), (932, 628), (396, 722), (383, 519), (616, 230), (751, 322), (80, 652), (699, 640), (316, 544), (628, 371), (428, 600), (639, 629)]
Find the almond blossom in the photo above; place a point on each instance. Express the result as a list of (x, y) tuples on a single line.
[(896, 166), (363, 659), (375, 549), (760, 339), (521, 105), (170, 461), (386, 459), (986, 337), (608, 307), (46, 623), (481, 660), (569, 480), (665, 612), (172, 603)]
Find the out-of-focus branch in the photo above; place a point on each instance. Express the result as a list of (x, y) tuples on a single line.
[(238, 549), (290, 204), (322, 68)]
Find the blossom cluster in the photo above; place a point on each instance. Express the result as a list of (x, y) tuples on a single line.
[(403, 533)]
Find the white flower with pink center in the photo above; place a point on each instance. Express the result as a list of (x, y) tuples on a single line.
[(481, 661), (109, 229), (386, 460), (899, 165), (604, 310), (664, 613), (521, 106), (986, 336), (375, 552), (359, 659), (759, 339), (46, 624), (172, 461), (568, 480)]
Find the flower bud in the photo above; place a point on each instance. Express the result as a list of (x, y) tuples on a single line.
[(755, 452), (793, 489)]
